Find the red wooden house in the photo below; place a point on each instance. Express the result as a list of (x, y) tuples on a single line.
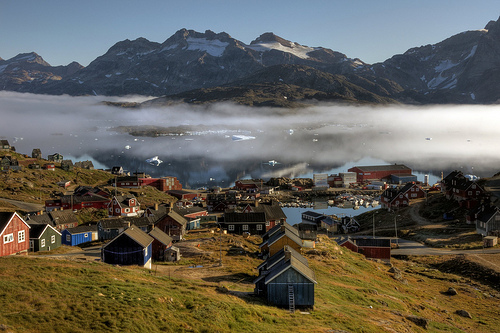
[(378, 172), (393, 198), (458, 187), (173, 225), (14, 234), (161, 243), (123, 206), (371, 248), (78, 202)]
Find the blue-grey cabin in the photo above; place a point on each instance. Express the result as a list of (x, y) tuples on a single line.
[(131, 247), (286, 280)]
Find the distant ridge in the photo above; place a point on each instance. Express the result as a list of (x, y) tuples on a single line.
[(464, 69)]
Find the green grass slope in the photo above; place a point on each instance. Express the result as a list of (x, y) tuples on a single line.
[(353, 295)]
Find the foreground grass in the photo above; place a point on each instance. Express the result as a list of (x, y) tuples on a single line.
[(352, 294)]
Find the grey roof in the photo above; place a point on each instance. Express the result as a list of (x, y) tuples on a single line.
[(293, 263), (113, 223), (389, 167), (286, 232), (245, 217), (375, 242), (136, 234), (39, 219), (161, 236), (82, 229), (178, 218), (281, 255), (140, 221), (63, 216), (188, 210)]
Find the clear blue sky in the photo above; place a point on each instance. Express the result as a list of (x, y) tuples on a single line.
[(62, 31)]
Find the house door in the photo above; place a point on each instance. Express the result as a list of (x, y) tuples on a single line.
[(32, 245)]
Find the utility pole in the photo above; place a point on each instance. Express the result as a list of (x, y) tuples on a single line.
[(396, 230), (373, 225)]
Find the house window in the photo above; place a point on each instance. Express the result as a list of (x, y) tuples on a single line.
[(42, 243), (52, 239), (85, 235), (469, 193), (473, 187), (477, 192), (117, 210), (245, 227), (68, 238), (414, 195), (8, 238), (230, 227), (397, 202), (413, 189), (259, 226), (127, 210), (21, 236), (267, 224)]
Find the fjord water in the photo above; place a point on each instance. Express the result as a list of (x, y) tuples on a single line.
[(280, 143)]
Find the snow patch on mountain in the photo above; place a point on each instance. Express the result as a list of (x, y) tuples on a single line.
[(297, 50), (169, 47), (472, 52), (213, 47)]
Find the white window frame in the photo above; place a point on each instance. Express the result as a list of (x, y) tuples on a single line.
[(267, 224), (52, 239), (230, 227), (259, 226), (85, 235), (68, 238), (244, 227), (42, 242), (9, 238), (21, 236)]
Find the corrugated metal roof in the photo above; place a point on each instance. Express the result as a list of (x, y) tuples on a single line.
[(287, 264), (383, 167)]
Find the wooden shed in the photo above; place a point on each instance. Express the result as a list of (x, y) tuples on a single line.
[(78, 235), (131, 247)]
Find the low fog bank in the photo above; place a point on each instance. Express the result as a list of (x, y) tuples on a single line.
[(427, 139)]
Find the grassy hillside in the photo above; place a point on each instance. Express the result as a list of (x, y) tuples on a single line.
[(353, 295)]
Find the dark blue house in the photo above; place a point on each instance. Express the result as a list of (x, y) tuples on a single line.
[(131, 247), (78, 235)]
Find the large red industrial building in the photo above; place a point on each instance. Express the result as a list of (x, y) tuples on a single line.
[(379, 172)]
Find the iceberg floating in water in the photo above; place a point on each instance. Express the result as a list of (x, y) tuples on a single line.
[(154, 161), (242, 137)]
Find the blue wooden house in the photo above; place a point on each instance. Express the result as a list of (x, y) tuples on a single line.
[(131, 247), (78, 235)]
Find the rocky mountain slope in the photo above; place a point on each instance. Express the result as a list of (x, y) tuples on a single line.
[(214, 66)]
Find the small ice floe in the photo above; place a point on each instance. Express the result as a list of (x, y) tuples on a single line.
[(154, 161)]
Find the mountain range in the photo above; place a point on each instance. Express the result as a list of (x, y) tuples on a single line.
[(196, 67)]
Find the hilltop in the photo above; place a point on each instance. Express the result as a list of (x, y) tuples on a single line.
[(353, 294)]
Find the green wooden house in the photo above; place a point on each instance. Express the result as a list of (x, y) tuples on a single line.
[(44, 237)]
